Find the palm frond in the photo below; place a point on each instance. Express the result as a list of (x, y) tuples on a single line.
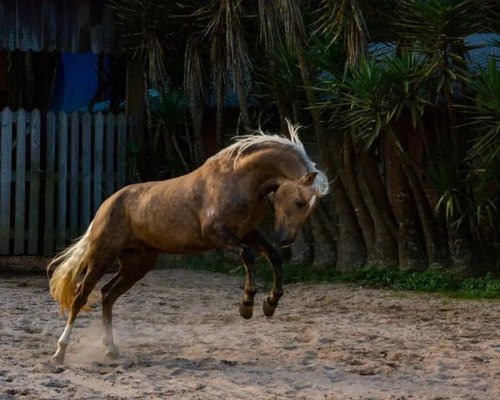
[(148, 31), (169, 110), (269, 25), (194, 68), (483, 117), (292, 20), (344, 20)]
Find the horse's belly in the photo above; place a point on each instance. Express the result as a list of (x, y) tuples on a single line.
[(184, 248), (173, 242)]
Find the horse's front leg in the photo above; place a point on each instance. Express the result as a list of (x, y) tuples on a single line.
[(228, 241), (246, 304), (256, 240), (271, 302)]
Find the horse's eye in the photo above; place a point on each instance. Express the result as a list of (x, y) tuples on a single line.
[(300, 203)]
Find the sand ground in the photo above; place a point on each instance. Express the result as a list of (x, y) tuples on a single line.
[(181, 337)]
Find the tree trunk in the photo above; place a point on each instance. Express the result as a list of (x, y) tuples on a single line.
[(377, 190), (411, 248), (435, 239), (357, 199), (463, 259), (351, 249), (386, 231), (325, 252), (302, 248)]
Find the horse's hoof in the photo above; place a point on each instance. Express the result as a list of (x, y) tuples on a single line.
[(246, 311), (268, 308), (112, 353), (56, 359)]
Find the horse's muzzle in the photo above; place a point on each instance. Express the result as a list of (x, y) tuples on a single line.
[(282, 239)]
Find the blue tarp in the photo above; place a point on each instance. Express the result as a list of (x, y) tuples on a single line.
[(76, 81)]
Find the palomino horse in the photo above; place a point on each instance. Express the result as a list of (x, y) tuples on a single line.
[(219, 205)]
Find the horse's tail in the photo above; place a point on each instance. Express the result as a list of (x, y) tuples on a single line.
[(66, 269)]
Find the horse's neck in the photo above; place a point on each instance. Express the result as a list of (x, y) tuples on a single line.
[(265, 170)]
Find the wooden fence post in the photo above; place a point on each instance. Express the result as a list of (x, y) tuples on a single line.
[(98, 160), (5, 180), (34, 182), (74, 194), (109, 169), (84, 163), (62, 180), (49, 227), (86, 169), (19, 223), (121, 151)]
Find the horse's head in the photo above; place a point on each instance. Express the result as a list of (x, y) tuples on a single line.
[(293, 201)]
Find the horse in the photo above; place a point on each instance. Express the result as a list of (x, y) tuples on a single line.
[(220, 205)]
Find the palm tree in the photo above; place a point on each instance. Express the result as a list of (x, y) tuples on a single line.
[(351, 250), (230, 62), (483, 156), (168, 118), (151, 44), (343, 22), (368, 111), (437, 29), (195, 86), (384, 100)]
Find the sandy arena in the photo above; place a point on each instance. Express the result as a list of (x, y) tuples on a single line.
[(181, 337)]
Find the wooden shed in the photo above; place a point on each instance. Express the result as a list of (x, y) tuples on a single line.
[(59, 161)]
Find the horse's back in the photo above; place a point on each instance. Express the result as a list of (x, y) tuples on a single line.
[(179, 215), (162, 215)]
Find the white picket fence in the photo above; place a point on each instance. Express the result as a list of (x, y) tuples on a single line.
[(55, 171)]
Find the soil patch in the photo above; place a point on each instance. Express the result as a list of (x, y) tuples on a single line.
[(181, 337)]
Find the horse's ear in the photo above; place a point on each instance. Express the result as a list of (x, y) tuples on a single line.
[(308, 179)]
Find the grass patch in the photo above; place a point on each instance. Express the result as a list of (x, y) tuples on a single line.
[(292, 273), (432, 280)]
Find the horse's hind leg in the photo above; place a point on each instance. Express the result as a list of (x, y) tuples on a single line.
[(134, 264), (94, 272), (256, 240)]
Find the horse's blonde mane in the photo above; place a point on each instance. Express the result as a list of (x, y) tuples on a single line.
[(244, 142)]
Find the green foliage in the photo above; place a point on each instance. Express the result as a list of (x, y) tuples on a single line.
[(148, 30), (371, 97), (483, 117), (454, 201), (345, 19), (292, 273), (484, 287), (432, 280), (169, 111), (282, 76), (419, 79), (480, 199)]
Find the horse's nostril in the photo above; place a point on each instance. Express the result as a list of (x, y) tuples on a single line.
[(285, 243)]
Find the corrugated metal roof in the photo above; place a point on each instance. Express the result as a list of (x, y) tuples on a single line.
[(65, 25), (481, 49)]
